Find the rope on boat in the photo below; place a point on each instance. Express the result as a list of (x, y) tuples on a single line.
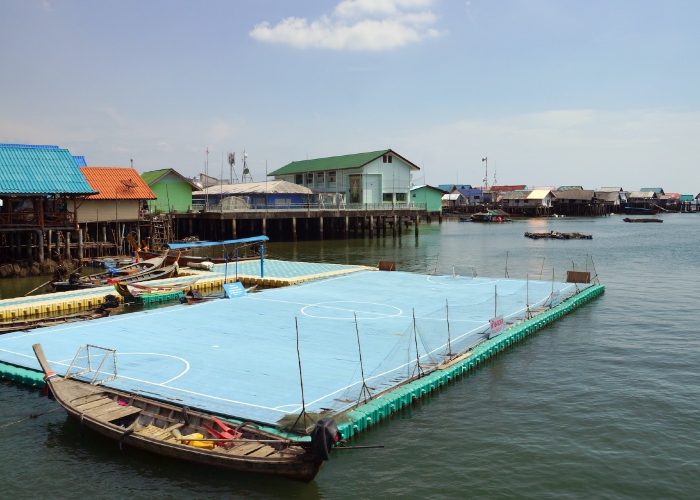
[(29, 417)]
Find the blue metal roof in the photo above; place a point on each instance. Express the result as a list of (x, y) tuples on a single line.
[(31, 146), (40, 170), (471, 192), (199, 244), (80, 160)]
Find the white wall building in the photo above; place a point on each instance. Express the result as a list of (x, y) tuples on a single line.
[(376, 177)]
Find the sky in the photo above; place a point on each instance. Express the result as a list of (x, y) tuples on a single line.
[(552, 92)]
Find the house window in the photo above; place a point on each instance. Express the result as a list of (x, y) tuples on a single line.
[(320, 179), (388, 197), (400, 197), (331, 179), (386, 159), (299, 179), (310, 179)]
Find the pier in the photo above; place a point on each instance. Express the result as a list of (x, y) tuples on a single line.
[(303, 223)]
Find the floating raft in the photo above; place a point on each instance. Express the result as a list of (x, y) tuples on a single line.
[(372, 412), (237, 358), (641, 219), (277, 273), (556, 235)]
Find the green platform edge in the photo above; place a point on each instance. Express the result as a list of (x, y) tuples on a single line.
[(371, 413), (155, 298)]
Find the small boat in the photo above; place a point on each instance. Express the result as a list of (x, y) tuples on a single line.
[(150, 269), (496, 216), (639, 210), (185, 434), (138, 289), (195, 297), (140, 292), (251, 248), (188, 260), (29, 324), (641, 219), (135, 268)]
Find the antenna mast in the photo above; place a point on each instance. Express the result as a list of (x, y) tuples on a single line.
[(485, 159), (232, 170), (206, 181), (246, 170)]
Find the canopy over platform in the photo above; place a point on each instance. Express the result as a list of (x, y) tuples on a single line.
[(201, 244)]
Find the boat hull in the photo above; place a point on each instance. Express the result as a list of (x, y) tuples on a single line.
[(125, 417), (302, 471), (187, 260)]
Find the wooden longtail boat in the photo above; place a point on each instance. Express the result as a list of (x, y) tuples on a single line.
[(141, 290), (186, 260), (154, 262), (185, 434), (195, 297), (150, 269)]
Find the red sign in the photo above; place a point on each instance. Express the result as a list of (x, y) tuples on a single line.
[(497, 325)]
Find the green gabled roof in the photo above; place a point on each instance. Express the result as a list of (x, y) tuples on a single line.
[(687, 197), (344, 162), (153, 176)]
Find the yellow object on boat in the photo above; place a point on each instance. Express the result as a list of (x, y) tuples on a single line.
[(192, 440)]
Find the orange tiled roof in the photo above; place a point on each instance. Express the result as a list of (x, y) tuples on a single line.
[(117, 183)]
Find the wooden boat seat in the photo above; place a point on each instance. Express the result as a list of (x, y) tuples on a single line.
[(111, 411), (95, 403), (81, 400), (244, 449), (125, 411), (263, 452)]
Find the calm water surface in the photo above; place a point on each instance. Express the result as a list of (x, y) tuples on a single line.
[(603, 404)]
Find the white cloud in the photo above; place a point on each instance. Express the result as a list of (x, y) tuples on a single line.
[(362, 25)]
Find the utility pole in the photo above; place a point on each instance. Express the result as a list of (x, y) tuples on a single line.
[(485, 160)]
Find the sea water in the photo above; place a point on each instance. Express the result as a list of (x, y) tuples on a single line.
[(605, 403)]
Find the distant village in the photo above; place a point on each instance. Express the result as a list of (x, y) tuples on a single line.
[(564, 200), (55, 205)]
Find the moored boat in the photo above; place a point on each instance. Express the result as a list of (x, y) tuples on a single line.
[(496, 216), (640, 210), (141, 292), (150, 269), (185, 434)]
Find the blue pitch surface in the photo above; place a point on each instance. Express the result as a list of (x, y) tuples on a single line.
[(238, 357)]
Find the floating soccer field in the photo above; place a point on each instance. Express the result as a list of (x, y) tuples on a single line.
[(238, 357)]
